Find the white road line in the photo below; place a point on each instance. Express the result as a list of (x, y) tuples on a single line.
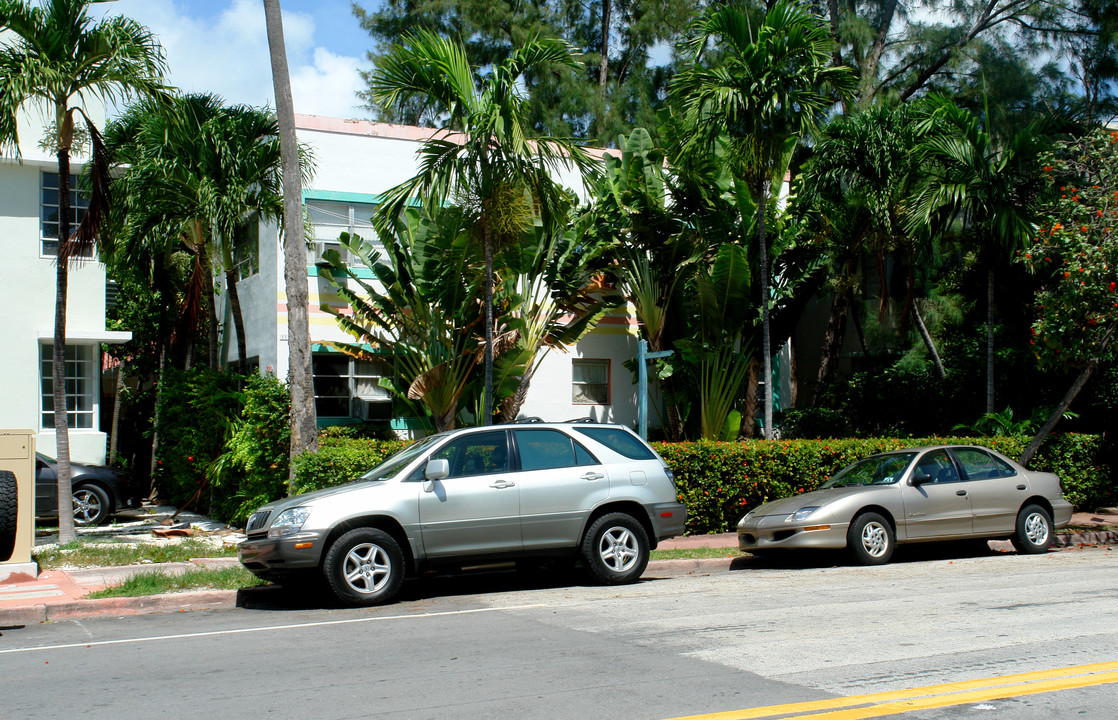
[(267, 628)]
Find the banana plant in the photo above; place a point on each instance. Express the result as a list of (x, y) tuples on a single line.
[(420, 310)]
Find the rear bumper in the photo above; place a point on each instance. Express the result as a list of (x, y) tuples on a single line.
[(668, 519)]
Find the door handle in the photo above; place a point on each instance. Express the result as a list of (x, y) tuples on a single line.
[(502, 484), (593, 476), (961, 493), (1022, 487)]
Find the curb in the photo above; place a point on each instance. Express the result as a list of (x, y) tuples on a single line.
[(147, 604), (224, 599)]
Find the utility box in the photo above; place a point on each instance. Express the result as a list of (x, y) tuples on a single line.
[(17, 458)]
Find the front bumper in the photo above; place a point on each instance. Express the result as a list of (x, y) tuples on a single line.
[(270, 558), (668, 519), (773, 532)]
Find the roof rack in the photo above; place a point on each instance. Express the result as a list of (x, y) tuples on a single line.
[(527, 421), (583, 421)]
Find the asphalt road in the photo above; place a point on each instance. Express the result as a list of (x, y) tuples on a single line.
[(513, 645)]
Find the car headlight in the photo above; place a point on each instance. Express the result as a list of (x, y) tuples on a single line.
[(745, 519), (289, 522), (802, 514)]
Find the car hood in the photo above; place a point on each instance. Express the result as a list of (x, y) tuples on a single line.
[(815, 498), (311, 497)]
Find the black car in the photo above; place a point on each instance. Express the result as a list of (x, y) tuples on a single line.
[(98, 491)]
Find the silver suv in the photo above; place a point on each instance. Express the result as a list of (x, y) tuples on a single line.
[(473, 495)]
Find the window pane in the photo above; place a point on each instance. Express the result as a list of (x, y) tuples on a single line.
[(542, 449), (584, 456), (620, 441), (590, 382), (938, 467), (476, 454)]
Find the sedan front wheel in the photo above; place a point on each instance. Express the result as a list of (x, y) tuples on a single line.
[(870, 539)]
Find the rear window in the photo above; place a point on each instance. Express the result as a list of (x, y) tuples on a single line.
[(620, 441)]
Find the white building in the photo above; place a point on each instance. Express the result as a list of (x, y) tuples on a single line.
[(28, 233), (356, 162)]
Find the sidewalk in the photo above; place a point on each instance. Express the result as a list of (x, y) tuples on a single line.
[(60, 594)]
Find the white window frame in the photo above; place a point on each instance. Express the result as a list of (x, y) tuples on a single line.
[(78, 206), (592, 362), (81, 368), (349, 224), (356, 370)]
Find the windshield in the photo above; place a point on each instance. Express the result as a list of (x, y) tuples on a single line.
[(394, 464), (876, 470)]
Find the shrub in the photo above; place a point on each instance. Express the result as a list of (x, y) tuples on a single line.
[(196, 410), (341, 460), (720, 481), (253, 470)]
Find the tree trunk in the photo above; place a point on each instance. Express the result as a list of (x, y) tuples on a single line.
[(749, 406), (766, 350), (832, 345), (211, 309), (603, 68), (66, 533), (115, 430), (990, 340), (238, 318), (487, 400), (155, 422), (1068, 398), (304, 431), (928, 343)]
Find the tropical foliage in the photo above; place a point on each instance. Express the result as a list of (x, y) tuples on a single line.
[(59, 55)]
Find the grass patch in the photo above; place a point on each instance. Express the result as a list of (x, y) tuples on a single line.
[(82, 553), (699, 553), (159, 582)]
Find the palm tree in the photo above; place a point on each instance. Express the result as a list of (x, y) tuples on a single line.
[(863, 166), (206, 170), (484, 157), (990, 182), (60, 55), (772, 82), (304, 430)]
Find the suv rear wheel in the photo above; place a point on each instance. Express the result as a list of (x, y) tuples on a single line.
[(364, 567), (615, 549), (8, 516)]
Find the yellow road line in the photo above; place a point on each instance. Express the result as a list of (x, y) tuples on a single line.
[(956, 693)]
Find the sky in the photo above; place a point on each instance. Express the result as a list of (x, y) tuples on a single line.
[(221, 46)]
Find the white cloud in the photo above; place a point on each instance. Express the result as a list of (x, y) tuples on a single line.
[(329, 87), (227, 54)]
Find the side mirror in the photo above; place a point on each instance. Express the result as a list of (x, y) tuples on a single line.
[(920, 478), (435, 470)]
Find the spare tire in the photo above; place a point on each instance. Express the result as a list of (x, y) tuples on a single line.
[(8, 507)]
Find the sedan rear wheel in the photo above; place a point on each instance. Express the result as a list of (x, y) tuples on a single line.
[(91, 505), (870, 539), (1034, 530)]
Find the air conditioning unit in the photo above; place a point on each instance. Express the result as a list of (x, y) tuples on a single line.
[(372, 409)]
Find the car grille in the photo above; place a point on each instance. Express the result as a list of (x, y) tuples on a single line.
[(257, 520)]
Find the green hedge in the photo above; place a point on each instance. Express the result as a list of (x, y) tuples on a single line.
[(720, 482), (340, 460)]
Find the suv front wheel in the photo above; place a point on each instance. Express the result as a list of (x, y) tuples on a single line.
[(364, 567), (615, 549)]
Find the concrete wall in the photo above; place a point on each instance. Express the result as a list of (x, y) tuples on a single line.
[(27, 292)]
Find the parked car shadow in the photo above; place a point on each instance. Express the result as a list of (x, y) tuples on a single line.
[(311, 594), (918, 552)]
